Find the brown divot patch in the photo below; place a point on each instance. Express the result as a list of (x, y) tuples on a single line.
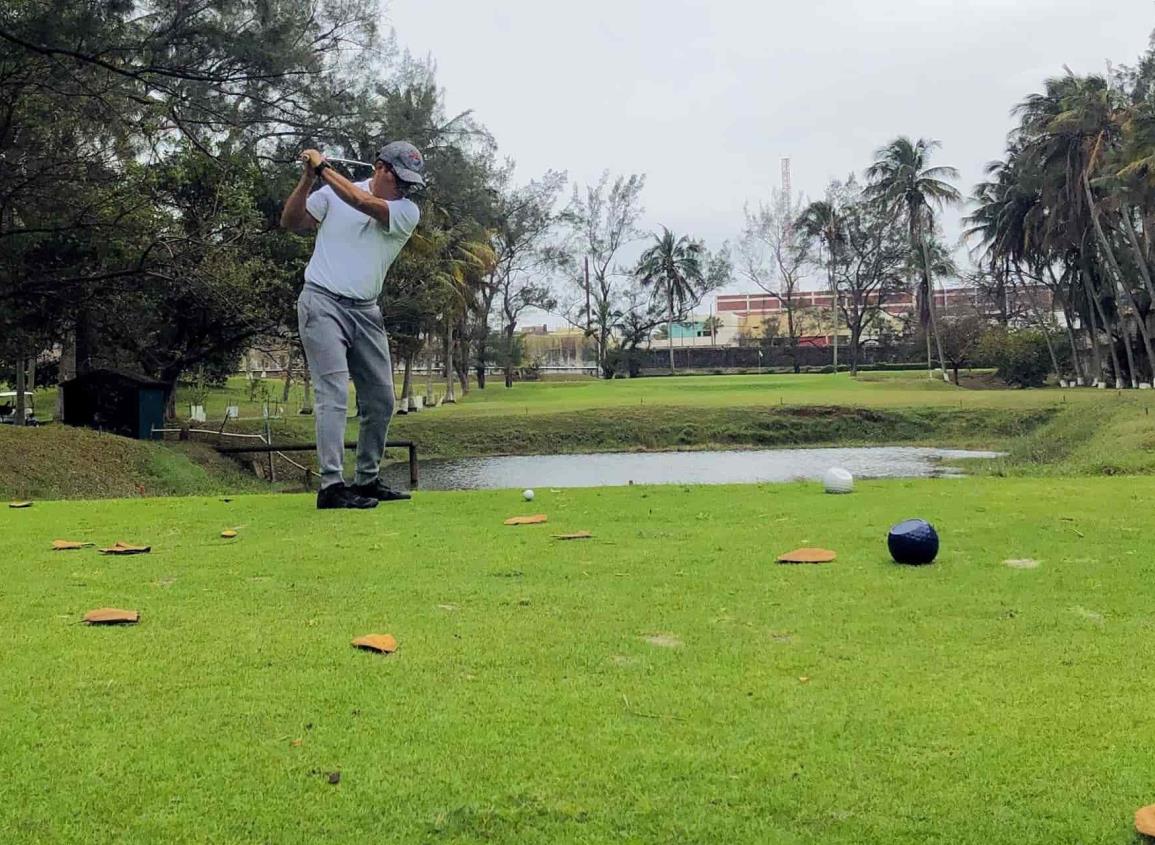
[(1022, 563)]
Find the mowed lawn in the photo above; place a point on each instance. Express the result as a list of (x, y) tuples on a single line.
[(904, 389), (663, 682), (869, 390)]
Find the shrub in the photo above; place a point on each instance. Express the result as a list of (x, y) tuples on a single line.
[(1019, 356)]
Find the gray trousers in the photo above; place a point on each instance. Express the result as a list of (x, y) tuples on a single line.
[(346, 338)]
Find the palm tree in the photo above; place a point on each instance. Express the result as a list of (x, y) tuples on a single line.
[(825, 221), (902, 180), (1068, 129), (711, 325), (459, 259), (1008, 222), (674, 269)]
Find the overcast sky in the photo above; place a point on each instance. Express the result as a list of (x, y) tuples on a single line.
[(706, 96)]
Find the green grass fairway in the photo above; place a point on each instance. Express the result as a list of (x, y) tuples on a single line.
[(646, 686), (903, 389), (869, 390)]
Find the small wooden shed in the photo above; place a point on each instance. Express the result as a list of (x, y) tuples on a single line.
[(115, 401)]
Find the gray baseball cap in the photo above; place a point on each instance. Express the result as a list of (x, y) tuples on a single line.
[(406, 161)]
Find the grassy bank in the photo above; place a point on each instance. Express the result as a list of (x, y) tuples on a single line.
[(668, 427), (56, 462), (664, 682), (1109, 439)]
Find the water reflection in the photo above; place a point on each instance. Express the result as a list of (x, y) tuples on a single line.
[(720, 467)]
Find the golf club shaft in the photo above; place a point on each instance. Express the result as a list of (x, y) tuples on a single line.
[(347, 161)]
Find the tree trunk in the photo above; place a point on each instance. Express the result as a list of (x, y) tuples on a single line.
[(21, 386), (670, 328), (1121, 285), (928, 282), (833, 306), (429, 371), (1126, 337), (462, 358), (1091, 328), (793, 338), (406, 403), (834, 319), (288, 377), (482, 353), (84, 342), (450, 398), (1076, 359), (67, 369), (508, 331), (1140, 259), (855, 345), (1068, 320), (307, 381), (1050, 350), (1098, 306)]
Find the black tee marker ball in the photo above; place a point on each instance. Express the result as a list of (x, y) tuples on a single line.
[(913, 542)]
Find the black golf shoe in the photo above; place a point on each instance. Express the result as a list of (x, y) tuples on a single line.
[(378, 491), (338, 496)]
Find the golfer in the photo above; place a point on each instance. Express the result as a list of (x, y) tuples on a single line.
[(361, 228)]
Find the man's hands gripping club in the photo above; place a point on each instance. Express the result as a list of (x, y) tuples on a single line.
[(297, 218)]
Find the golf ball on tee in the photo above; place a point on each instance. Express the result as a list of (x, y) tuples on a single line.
[(527, 495), (838, 480)]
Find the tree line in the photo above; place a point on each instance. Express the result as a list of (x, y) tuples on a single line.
[(148, 151)]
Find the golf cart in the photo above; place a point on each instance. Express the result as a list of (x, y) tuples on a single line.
[(8, 408)]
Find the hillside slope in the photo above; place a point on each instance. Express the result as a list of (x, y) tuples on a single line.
[(59, 462)]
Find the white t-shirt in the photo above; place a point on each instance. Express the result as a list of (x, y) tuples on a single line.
[(353, 251)]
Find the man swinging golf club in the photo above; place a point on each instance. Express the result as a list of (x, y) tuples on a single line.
[(361, 228)]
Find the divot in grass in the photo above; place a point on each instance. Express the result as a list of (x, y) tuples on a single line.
[(664, 640), (1023, 563), (1090, 615)]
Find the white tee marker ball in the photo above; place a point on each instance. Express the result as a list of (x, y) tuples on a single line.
[(838, 480), (527, 495)]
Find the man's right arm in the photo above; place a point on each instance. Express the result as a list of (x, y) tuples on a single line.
[(295, 216)]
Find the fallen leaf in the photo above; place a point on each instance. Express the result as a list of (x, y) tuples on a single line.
[(805, 679), (112, 616), (383, 643), (228, 534), (296, 743), (122, 548), (19, 505), (808, 556), (1145, 820), (577, 535), (537, 519), (67, 545)]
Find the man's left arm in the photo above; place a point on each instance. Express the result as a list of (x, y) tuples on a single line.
[(363, 201)]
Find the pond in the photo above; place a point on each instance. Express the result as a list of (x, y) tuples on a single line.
[(717, 467)]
